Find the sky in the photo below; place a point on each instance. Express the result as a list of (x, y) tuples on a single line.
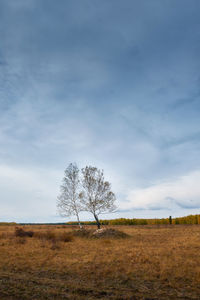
[(113, 84)]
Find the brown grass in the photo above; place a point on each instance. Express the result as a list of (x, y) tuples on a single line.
[(154, 263)]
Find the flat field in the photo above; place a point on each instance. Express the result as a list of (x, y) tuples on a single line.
[(155, 262)]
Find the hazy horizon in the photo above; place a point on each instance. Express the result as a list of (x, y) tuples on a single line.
[(112, 84)]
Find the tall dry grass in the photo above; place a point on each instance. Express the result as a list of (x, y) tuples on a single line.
[(157, 262)]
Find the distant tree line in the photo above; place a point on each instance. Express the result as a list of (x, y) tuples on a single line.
[(191, 219), (7, 223)]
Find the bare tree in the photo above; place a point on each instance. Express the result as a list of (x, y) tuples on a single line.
[(96, 196), (68, 202)]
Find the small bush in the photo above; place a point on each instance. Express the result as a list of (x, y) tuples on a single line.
[(20, 232)]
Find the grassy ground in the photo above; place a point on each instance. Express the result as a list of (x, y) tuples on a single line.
[(153, 263)]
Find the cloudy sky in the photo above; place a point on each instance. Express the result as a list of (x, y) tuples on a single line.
[(110, 83)]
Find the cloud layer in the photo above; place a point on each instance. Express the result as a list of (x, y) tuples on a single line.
[(183, 192)]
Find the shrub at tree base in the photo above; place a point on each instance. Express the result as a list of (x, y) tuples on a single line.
[(100, 233), (109, 233)]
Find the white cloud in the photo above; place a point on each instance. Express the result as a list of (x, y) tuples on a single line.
[(182, 192), (28, 193)]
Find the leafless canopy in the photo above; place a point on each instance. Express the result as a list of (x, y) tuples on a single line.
[(96, 196), (68, 203)]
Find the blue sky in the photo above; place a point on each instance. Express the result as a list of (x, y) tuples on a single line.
[(115, 84)]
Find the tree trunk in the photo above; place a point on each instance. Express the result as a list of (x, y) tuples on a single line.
[(97, 220), (79, 221)]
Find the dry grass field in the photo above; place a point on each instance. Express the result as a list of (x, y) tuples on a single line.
[(155, 262)]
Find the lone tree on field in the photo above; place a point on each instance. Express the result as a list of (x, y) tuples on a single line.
[(96, 196), (68, 202)]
